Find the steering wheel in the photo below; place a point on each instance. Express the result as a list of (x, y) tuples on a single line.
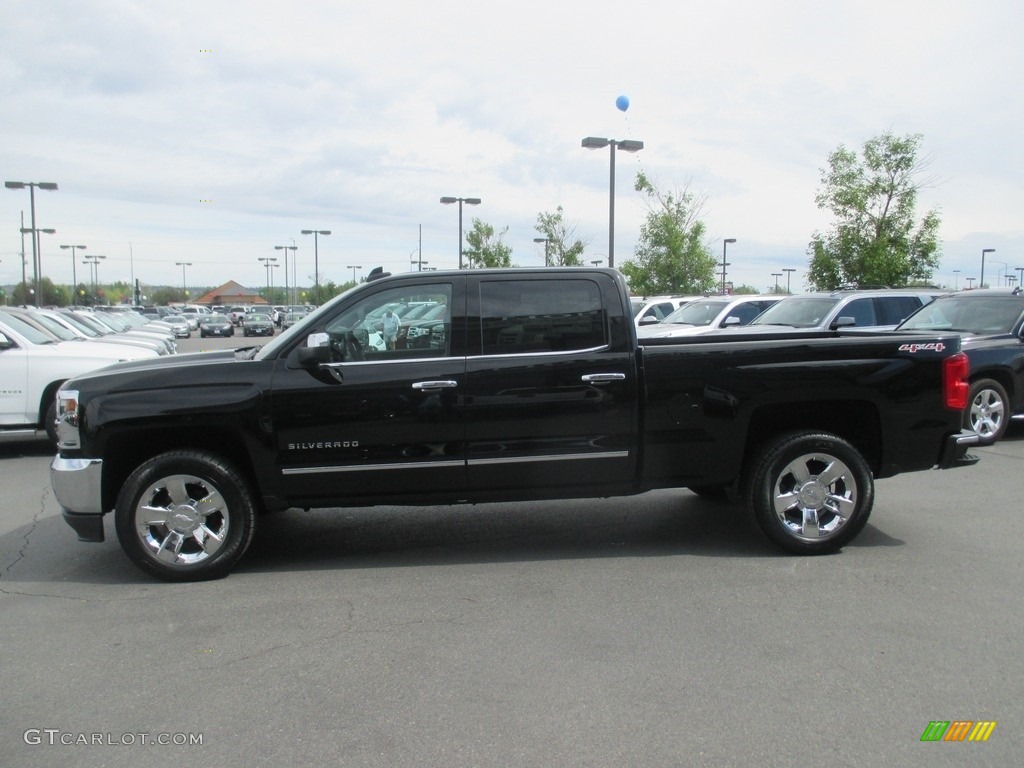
[(353, 349)]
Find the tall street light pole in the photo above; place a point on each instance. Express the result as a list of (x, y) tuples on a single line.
[(626, 145), (37, 258), (316, 259), (546, 241), (970, 282), (776, 275), (37, 267), (267, 261), (789, 273), (74, 272), (183, 264), (93, 260), (725, 246), (354, 267), (981, 282), (956, 279), (1020, 275), (293, 248), (460, 201)]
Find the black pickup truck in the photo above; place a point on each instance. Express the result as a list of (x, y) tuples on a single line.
[(524, 384)]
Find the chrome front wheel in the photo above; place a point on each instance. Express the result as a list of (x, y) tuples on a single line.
[(185, 516), (988, 412)]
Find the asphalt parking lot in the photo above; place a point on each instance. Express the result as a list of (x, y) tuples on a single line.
[(660, 630)]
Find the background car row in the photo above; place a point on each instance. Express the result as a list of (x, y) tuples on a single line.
[(41, 349), (990, 324)]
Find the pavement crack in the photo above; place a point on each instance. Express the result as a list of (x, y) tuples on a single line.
[(25, 538)]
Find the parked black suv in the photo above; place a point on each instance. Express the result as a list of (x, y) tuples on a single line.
[(991, 326)]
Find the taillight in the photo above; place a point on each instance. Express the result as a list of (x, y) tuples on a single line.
[(954, 381)]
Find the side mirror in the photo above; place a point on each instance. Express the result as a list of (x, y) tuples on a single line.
[(649, 320), (843, 322), (313, 357), (5, 343), (730, 321)]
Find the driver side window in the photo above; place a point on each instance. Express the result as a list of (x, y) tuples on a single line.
[(395, 323)]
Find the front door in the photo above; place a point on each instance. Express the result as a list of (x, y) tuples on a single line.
[(373, 420)]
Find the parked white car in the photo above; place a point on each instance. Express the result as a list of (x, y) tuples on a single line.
[(703, 315), (33, 365)]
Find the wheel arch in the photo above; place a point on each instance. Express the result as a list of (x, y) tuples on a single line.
[(1002, 376), (128, 451), (856, 421), (47, 398)]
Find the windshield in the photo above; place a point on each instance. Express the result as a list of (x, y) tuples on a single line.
[(798, 311), (31, 333), (967, 314), (701, 312), (58, 330)]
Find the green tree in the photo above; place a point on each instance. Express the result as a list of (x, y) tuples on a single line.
[(672, 255), (561, 249), (876, 238), (25, 294), (483, 249)]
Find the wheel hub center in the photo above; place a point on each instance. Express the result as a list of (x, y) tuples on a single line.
[(184, 519), (812, 494)]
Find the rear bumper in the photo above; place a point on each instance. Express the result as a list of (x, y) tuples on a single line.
[(954, 452), (76, 485)]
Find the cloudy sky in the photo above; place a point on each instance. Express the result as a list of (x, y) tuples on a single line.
[(209, 132)]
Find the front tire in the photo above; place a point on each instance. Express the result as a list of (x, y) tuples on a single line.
[(988, 411), (50, 422), (185, 516), (811, 493)]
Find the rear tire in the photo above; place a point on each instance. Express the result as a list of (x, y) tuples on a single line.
[(811, 492)]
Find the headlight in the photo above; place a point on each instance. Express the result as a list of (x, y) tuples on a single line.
[(68, 419)]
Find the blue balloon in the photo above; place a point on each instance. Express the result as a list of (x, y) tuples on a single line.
[(622, 103)]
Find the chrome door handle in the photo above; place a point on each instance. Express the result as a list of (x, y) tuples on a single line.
[(429, 385), (602, 378)]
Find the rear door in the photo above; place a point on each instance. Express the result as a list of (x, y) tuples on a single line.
[(550, 383)]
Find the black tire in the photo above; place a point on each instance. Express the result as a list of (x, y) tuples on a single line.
[(811, 493), (200, 516), (50, 422), (988, 409)]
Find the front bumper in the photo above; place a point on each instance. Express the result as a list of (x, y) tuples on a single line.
[(77, 487)]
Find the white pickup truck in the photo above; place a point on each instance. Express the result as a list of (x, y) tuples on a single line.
[(33, 365)]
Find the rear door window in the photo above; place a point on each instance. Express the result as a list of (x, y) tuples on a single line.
[(520, 316)]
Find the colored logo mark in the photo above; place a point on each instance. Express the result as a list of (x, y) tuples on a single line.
[(958, 730)]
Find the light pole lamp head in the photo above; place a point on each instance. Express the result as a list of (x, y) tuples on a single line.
[(79, 247), (630, 145), (594, 142), (987, 250), (48, 185), (472, 200), (448, 200), (729, 240)]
